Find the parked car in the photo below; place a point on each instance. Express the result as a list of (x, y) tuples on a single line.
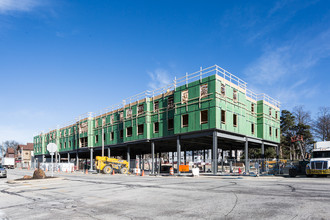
[(3, 172)]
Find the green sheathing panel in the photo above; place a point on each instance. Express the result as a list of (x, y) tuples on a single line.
[(268, 119), (240, 107), (194, 105), (68, 138), (212, 100), (161, 116), (38, 144), (141, 119)]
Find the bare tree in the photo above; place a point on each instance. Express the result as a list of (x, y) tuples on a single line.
[(301, 115), (10, 144), (321, 125)]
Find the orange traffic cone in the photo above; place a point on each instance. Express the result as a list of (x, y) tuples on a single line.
[(142, 174), (86, 171), (113, 172), (58, 170)]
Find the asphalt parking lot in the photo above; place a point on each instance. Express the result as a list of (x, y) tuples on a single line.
[(97, 196)]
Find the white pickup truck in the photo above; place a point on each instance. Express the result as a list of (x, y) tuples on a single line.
[(320, 160)]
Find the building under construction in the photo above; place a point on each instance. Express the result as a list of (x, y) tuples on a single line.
[(210, 109)]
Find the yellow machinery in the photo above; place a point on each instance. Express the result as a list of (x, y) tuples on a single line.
[(107, 165)]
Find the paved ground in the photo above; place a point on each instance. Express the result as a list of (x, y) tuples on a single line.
[(96, 196)]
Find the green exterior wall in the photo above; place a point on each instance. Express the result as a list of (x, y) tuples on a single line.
[(70, 137)]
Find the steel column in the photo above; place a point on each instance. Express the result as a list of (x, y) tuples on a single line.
[(247, 162), (178, 155), (222, 161), (68, 157), (77, 161), (108, 152), (204, 158), (102, 141), (128, 157), (263, 157), (91, 159), (215, 153), (185, 156), (152, 157)]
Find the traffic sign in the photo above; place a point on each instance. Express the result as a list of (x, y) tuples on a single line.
[(51, 147)]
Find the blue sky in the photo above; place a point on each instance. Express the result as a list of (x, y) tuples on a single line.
[(60, 59)]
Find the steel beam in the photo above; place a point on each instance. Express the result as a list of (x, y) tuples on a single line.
[(231, 137)]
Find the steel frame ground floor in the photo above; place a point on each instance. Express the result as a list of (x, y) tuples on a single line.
[(205, 140)]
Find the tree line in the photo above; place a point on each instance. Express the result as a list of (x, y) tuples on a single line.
[(299, 123)]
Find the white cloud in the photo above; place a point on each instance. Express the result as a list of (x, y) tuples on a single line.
[(287, 71), (17, 5), (159, 78)]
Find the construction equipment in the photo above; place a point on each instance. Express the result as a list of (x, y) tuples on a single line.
[(299, 167), (107, 165)]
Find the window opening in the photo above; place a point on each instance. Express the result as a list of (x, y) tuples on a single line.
[(204, 117)]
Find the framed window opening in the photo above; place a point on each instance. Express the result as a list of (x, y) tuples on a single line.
[(204, 117), (140, 109), (235, 120), (203, 90), (121, 116), (185, 120), (223, 89), (223, 116), (276, 133), (129, 131), (235, 96), (184, 96), (156, 106), (170, 124), (156, 127), (140, 129), (170, 102)]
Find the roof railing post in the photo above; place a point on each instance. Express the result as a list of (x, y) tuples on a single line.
[(200, 74), (186, 79), (174, 83)]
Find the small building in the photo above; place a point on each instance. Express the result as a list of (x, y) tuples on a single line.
[(10, 152), (24, 154)]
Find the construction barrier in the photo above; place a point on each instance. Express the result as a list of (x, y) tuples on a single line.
[(171, 171)]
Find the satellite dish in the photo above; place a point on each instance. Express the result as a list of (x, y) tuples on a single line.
[(52, 148)]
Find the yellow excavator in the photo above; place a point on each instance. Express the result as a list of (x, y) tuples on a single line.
[(107, 165)]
